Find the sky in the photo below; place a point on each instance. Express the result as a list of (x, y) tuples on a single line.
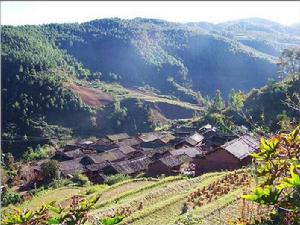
[(41, 12)]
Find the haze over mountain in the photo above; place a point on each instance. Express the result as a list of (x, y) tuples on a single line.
[(39, 64)]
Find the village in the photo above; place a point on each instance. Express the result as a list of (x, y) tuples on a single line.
[(189, 151)]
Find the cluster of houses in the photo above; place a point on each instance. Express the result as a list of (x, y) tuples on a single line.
[(192, 151)]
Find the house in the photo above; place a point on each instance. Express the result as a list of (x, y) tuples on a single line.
[(110, 156), (84, 144), (187, 154), (241, 148), (132, 167), (231, 155), (98, 178), (68, 155), (165, 138), (31, 174), (117, 137), (129, 142), (70, 167), (190, 141), (127, 150), (71, 147), (94, 172), (152, 144), (103, 144), (181, 132), (168, 165), (147, 137), (131, 152)]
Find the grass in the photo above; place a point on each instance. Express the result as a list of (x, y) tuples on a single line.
[(119, 93), (167, 208), (58, 195), (131, 192), (162, 198)]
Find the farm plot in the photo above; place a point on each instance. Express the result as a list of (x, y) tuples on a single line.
[(151, 200)]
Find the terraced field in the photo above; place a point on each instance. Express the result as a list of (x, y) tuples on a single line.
[(160, 201), (154, 201)]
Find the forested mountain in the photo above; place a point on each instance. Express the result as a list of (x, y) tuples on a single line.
[(160, 66)]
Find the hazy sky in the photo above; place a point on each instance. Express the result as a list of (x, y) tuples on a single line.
[(33, 12)]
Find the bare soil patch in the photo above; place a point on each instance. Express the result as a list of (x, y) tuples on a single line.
[(91, 96)]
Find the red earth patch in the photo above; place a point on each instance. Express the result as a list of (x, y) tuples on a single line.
[(91, 96)]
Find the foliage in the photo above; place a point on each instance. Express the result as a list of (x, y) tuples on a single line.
[(80, 179), (113, 179), (76, 214), (57, 183), (217, 103), (112, 220), (236, 100), (10, 197), (41, 152), (278, 169), (50, 170)]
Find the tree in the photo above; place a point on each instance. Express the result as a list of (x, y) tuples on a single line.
[(50, 170), (218, 103), (236, 100), (289, 61)]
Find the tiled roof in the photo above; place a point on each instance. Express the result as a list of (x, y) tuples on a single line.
[(71, 166), (97, 166), (191, 152), (74, 153), (117, 137), (132, 166), (166, 138), (242, 146), (170, 161), (129, 142), (147, 137), (113, 155), (127, 149)]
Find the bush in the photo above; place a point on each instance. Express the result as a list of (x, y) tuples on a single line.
[(80, 179), (36, 190), (50, 170), (112, 220), (57, 183), (10, 197), (43, 152), (113, 179)]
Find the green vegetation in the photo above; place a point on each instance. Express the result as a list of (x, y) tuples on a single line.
[(76, 213), (9, 197), (50, 170), (41, 152), (80, 179), (40, 62), (113, 179), (278, 171)]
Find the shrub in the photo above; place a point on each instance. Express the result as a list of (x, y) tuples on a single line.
[(43, 152), (57, 183), (50, 170), (112, 220), (76, 213), (113, 179), (278, 169), (80, 179), (10, 197), (36, 190)]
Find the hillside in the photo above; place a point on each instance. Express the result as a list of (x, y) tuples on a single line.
[(114, 75)]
